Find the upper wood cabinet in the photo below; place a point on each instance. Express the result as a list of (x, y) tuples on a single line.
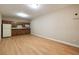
[(6, 22)]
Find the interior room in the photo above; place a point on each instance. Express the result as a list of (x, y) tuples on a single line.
[(39, 29)]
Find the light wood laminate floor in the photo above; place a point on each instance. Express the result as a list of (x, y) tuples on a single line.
[(32, 45)]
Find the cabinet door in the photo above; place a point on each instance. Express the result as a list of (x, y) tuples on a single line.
[(6, 30)]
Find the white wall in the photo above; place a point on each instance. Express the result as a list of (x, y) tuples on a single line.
[(0, 26), (60, 25)]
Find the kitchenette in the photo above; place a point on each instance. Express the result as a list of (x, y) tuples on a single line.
[(10, 28)]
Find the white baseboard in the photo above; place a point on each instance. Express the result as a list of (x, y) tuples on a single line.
[(67, 43)]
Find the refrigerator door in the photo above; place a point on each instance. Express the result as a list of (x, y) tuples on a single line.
[(6, 30)]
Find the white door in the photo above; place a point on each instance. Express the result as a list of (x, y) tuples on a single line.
[(6, 30)]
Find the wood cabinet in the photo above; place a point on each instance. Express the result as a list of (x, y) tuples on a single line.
[(20, 31)]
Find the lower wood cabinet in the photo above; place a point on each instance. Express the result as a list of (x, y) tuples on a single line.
[(20, 32)]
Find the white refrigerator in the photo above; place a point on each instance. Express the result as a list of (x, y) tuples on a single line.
[(6, 30)]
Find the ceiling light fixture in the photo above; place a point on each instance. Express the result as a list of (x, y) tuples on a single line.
[(34, 6), (22, 15)]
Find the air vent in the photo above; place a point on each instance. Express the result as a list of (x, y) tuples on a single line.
[(76, 16)]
